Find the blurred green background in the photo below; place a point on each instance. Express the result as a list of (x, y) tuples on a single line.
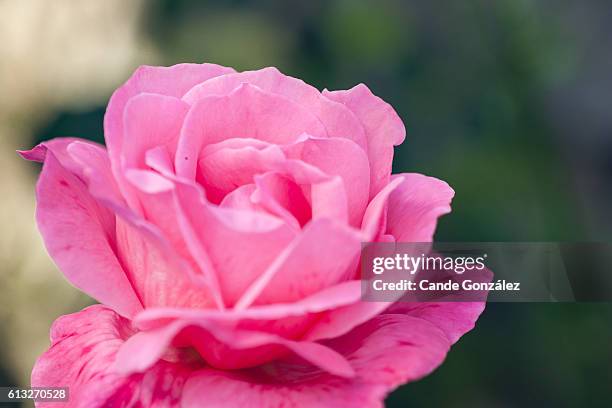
[(507, 100)]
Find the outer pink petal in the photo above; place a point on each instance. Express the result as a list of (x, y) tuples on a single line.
[(79, 232), (415, 206), (59, 147), (248, 112), (224, 347), (453, 318), (83, 349), (170, 81), (385, 352), (94, 167), (262, 329), (138, 242), (87, 161), (337, 119), (383, 127), (392, 349), (338, 322)]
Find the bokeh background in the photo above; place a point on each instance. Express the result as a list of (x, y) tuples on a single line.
[(510, 101)]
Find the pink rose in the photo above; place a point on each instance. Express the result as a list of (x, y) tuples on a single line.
[(220, 230)]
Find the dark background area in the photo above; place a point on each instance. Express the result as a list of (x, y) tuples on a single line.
[(509, 101)]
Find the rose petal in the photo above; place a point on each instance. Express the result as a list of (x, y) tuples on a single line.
[(137, 241), (415, 206), (453, 318), (383, 128), (287, 320), (338, 322), (222, 169), (233, 163), (240, 199), (385, 352), (94, 167), (223, 347), (160, 275), (170, 81), (83, 349), (337, 119), (79, 232), (278, 323), (337, 296), (238, 244), (160, 160), (150, 120), (281, 196), (338, 157), (247, 112), (323, 254), (375, 218), (59, 148), (392, 349)]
